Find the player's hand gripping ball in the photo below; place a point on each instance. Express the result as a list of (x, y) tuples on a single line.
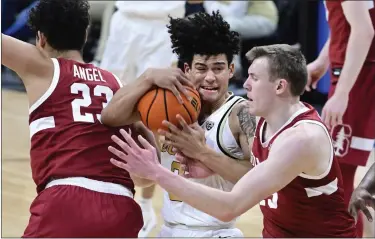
[(160, 104)]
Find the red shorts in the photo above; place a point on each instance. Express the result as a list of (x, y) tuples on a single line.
[(354, 139), (76, 212)]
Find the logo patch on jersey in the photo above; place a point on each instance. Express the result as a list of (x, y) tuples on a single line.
[(253, 160), (209, 125), (341, 135)]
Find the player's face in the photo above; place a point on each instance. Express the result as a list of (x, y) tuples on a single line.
[(211, 76), (261, 91)]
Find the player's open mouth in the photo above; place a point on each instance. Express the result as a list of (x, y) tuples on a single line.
[(206, 88)]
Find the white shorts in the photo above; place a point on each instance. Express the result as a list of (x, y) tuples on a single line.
[(167, 231), (135, 44)]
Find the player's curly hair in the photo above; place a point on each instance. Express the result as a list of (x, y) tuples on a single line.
[(202, 34), (63, 22)]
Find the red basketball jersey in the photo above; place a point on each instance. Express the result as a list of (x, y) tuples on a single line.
[(67, 136), (340, 31), (309, 206)]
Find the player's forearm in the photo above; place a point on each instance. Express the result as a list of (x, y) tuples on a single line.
[(228, 168), (323, 57), (122, 108), (212, 201), (357, 49), (368, 182)]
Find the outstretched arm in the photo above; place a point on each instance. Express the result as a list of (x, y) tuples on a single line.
[(25, 59), (283, 165), (122, 109)]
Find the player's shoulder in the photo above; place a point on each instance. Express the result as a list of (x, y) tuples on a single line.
[(305, 135)]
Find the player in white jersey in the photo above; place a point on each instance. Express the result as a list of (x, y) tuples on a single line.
[(218, 150), (138, 38)]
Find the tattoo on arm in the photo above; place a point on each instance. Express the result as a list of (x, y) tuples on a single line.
[(247, 122)]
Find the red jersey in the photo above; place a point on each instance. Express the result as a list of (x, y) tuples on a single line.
[(67, 136), (309, 206), (340, 31)]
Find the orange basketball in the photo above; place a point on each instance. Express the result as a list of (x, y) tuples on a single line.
[(161, 104)]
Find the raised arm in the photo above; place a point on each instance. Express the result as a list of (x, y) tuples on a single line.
[(26, 60), (122, 109)]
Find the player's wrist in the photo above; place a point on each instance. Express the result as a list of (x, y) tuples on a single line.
[(205, 154), (161, 174)]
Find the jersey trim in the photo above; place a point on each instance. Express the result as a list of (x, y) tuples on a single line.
[(118, 80), (51, 88), (41, 124), (266, 143), (326, 172), (220, 128)]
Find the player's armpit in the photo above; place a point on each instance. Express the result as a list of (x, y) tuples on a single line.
[(25, 59)]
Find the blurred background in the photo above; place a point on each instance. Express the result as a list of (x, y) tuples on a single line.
[(295, 22), (299, 23)]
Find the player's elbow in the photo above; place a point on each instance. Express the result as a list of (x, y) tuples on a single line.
[(227, 215), (109, 118)]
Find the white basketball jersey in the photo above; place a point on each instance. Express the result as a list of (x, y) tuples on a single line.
[(220, 138)]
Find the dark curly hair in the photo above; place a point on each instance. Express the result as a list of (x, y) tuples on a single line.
[(63, 22), (202, 34)]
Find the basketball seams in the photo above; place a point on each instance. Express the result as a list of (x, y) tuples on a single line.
[(165, 104), (149, 108), (192, 91), (191, 117)]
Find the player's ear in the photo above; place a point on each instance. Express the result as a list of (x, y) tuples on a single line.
[(41, 39), (281, 86), (231, 70), (186, 68)]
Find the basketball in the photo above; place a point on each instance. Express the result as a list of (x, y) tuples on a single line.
[(160, 104)]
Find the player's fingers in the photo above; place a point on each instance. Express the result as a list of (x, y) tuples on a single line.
[(119, 164), (118, 153), (145, 143), (364, 209), (182, 89), (339, 119), (184, 79), (123, 145), (354, 213), (129, 140), (173, 129), (314, 84), (172, 143), (307, 88), (183, 123), (175, 91)]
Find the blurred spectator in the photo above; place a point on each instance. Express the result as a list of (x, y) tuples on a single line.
[(251, 19), (138, 37)]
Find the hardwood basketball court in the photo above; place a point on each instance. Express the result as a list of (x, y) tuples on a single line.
[(18, 189)]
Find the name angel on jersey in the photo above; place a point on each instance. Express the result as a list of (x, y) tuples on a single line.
[(89, 74)]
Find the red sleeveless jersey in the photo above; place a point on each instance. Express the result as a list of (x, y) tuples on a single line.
[(67, 136), (340, 31), (309, 206)]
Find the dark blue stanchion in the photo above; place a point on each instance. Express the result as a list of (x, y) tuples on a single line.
[(323, 33)]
